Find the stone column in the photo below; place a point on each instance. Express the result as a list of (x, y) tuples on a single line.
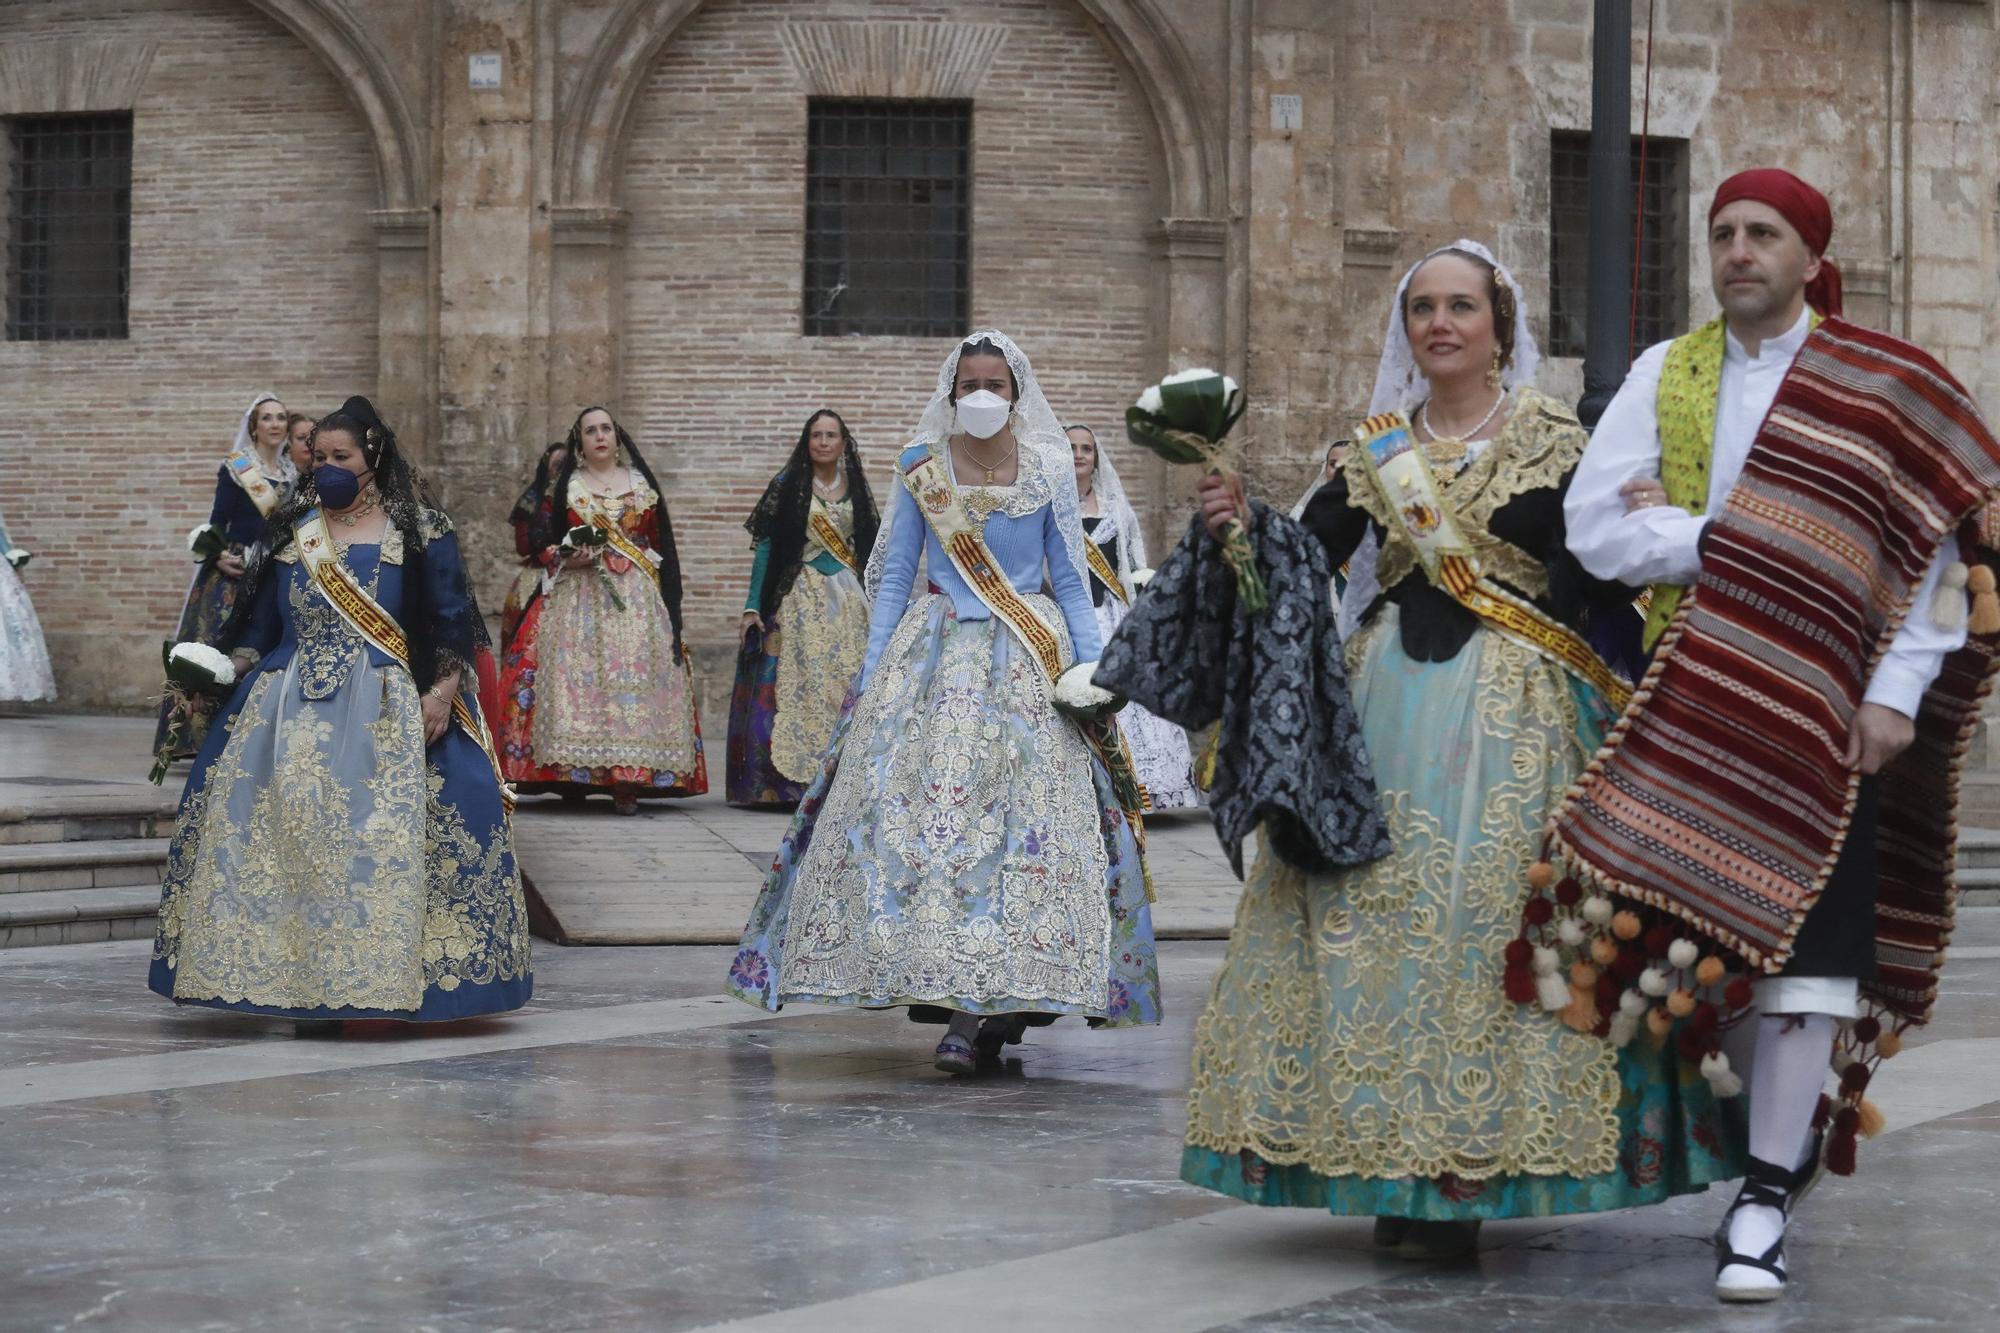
[(405, 389), (492, 246), (586, 310)]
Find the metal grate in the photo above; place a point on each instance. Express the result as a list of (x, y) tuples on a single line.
[(888, 217), (69, 226), (1663, 252)]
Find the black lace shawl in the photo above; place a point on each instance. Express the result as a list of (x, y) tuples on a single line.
[(1290, 755), (780, 516)]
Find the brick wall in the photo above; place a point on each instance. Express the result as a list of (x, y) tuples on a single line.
[(253, 267), (719, 379)]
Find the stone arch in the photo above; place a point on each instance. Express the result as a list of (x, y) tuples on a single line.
[(334, 35), (592, 131)]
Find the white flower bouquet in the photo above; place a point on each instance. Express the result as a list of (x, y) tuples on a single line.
[(206, 542), (1078, 694), (19, 558), (1185, 418), (589, 537), (197, 675)]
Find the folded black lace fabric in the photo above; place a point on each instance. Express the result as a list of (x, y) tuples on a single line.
[(1290, 755)]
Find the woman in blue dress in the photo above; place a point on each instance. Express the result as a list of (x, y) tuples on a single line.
[(342, 849), (252, 482), (964, 850)]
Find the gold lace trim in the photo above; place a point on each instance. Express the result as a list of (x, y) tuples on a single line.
[(1359, 1027), (1538, 446)]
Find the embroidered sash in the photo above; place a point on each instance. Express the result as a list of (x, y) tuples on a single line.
[(1100, 565), (1400, 473), (829, 537), (245, 472), (616, 537), (924, 476), (379, 628), (1724, 799)]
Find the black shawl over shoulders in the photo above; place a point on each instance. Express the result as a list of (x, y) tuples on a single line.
[(1290, 755)]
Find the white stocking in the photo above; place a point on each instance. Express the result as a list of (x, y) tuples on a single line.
[(1786, 1077)]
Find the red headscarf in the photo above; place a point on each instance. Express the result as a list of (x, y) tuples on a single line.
[(1802, 206)]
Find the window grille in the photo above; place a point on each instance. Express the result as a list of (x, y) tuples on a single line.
[(69, 225), (1663, 247), (888, 217)]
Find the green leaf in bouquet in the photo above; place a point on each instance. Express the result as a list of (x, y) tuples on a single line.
[(1154, 434), (1197, 406)]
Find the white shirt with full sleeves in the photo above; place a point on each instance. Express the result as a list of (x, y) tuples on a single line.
[(1657, 544)]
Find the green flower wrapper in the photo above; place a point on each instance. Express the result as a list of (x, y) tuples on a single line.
[(1194, 419)]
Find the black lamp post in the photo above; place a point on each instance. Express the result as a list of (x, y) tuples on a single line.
[(1608, 309)]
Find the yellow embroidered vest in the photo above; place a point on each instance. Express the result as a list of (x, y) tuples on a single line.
[(1690, 384)]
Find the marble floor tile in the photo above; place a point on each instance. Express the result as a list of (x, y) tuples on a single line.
[(632, 1151)]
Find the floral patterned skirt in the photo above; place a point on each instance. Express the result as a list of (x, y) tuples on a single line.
[(24, 656), (1159, 748), (960, 848), (593, 695), (1358, 1053), (753, 709), (327, 864)]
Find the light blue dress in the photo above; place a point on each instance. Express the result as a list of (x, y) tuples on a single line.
[(326, 863), (961, 848), (24, 656)]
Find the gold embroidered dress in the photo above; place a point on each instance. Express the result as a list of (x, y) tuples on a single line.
[(610, 699), (325, 862), (1358, 1052)]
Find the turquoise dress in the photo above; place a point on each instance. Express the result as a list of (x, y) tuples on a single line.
[(1358, 1052), (961, 848), (326, 863)]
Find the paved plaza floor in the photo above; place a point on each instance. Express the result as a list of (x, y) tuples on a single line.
[(634, 1151)]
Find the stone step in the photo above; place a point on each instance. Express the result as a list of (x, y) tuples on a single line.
[(78, 916), (97, 815), (44, 867), (1979, 849), (1979, 799)]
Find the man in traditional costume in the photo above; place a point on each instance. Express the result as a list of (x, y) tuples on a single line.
[(1764, 848)]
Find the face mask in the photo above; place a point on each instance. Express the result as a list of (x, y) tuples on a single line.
[(982, 414), (338, 488)]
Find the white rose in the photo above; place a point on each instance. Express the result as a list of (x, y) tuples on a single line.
[(196, 533), (1149, 401), (1141, 577), (1183, 377), (17, 556), (1075, 688), (206, 660)]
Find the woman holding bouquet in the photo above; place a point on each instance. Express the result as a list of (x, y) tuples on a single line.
[(608, 704), (1358, 1052), (805, 624), (25, 674), (964, 850), (1111, 525), (249, 486), (342, 847)]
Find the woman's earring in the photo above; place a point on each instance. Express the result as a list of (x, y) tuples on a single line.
[(1493, 371)]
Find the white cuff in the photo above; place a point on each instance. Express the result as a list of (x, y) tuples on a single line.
[(1899, 685)]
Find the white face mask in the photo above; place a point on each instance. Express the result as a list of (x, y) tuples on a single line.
[(981, 414)]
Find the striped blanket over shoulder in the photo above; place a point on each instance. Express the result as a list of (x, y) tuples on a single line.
[(1721, 797)]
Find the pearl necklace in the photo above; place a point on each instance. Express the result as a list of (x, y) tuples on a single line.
[(827, 491), (1424, 417)]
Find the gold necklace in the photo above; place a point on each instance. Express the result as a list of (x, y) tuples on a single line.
[(980, 463), (369, 504)]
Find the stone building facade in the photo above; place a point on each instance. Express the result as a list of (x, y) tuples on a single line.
[(324, 203)]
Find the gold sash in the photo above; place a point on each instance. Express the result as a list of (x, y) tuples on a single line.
[(379, 628), (937, 497), (245, 472), (616, 536), (829, 536), (1100, 565), (1401, 474)]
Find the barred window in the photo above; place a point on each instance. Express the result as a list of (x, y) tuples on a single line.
[(69, 225), (888, 217), (1663, 241)]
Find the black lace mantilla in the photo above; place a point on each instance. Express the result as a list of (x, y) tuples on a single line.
[(1290, 755)]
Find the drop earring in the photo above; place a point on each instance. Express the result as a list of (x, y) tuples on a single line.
[(1493, 371)]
